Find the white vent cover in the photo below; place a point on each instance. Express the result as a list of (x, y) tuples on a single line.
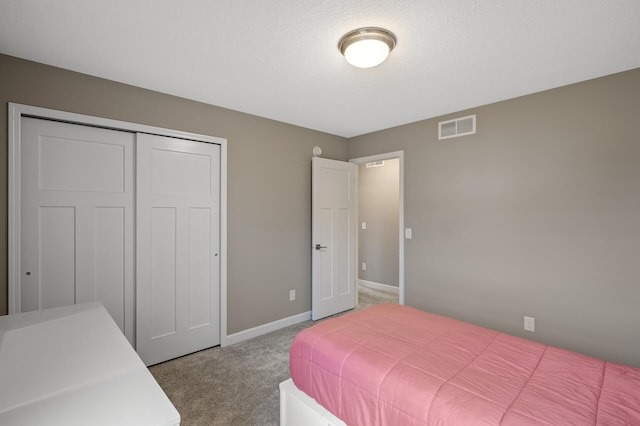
[(457, 127), (379, 163)]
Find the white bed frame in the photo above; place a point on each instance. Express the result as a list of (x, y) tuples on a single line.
[(297, 408)]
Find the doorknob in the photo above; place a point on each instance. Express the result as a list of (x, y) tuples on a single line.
[(318, 247)]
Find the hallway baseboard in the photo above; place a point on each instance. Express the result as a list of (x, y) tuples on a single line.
[(379, 286)]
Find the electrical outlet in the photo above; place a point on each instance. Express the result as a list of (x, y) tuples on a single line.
[(364, 225), (529, 323), (292, 295), (364, 266)]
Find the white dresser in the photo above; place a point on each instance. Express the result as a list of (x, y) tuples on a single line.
[(73, 366)]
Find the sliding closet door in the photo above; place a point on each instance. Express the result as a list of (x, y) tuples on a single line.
[(77, 218), (178, 242)]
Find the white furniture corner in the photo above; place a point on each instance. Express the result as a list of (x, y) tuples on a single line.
[(73, 366), (298, 408)]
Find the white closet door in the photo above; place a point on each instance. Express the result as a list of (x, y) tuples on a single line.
[(77, 218), (178, 240)]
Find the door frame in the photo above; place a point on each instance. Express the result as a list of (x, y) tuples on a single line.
[(17, 111), (389, 156)]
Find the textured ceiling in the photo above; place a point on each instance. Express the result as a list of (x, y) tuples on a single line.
[(279, 59)]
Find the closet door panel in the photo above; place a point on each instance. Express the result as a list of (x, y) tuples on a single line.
[(57, 253), (77, 218), (200, 262), (109, 261), (163, 271), (178, 240)]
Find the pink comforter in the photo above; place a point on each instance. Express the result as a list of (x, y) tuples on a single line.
[(395, 365)]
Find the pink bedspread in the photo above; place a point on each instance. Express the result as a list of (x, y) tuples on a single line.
[(395, 365)]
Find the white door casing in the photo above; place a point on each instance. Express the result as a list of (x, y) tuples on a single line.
[(178, 247), (333, 237), (401, 230), (77, 218)]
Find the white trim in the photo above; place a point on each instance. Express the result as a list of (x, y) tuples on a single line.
[(387, 156), (267, 328), (14, 209), (15, 113), (379, 286), (223, 243)]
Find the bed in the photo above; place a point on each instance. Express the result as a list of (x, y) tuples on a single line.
[(396, 365)]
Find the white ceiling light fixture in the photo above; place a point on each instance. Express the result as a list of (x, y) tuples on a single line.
[(367, 47)]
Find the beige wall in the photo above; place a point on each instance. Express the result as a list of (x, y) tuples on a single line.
[(269, 190), (537, 214), (378, 200)]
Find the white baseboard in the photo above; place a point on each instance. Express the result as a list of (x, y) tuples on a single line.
[(266, 328), (377, 286)]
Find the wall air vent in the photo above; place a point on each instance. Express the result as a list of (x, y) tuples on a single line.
[(379, 163), (458, 127)]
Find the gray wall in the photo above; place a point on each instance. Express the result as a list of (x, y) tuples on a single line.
[(537, 214), (378, 200), (269, 190)]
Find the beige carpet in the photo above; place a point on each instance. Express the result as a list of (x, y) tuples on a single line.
[(238, 384)]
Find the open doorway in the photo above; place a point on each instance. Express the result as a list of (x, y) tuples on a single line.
[(380, 233)]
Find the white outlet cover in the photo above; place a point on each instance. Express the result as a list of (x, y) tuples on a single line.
[(529, 324)]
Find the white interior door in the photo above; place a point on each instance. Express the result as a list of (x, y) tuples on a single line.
[(77, 218), (333, 237), (178, 243)]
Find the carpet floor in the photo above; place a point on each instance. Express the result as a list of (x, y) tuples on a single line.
[(238, 385)]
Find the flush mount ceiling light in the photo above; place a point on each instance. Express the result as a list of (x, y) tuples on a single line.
[(367, 47)]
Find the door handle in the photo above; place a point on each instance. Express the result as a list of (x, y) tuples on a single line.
[(318, 247)]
